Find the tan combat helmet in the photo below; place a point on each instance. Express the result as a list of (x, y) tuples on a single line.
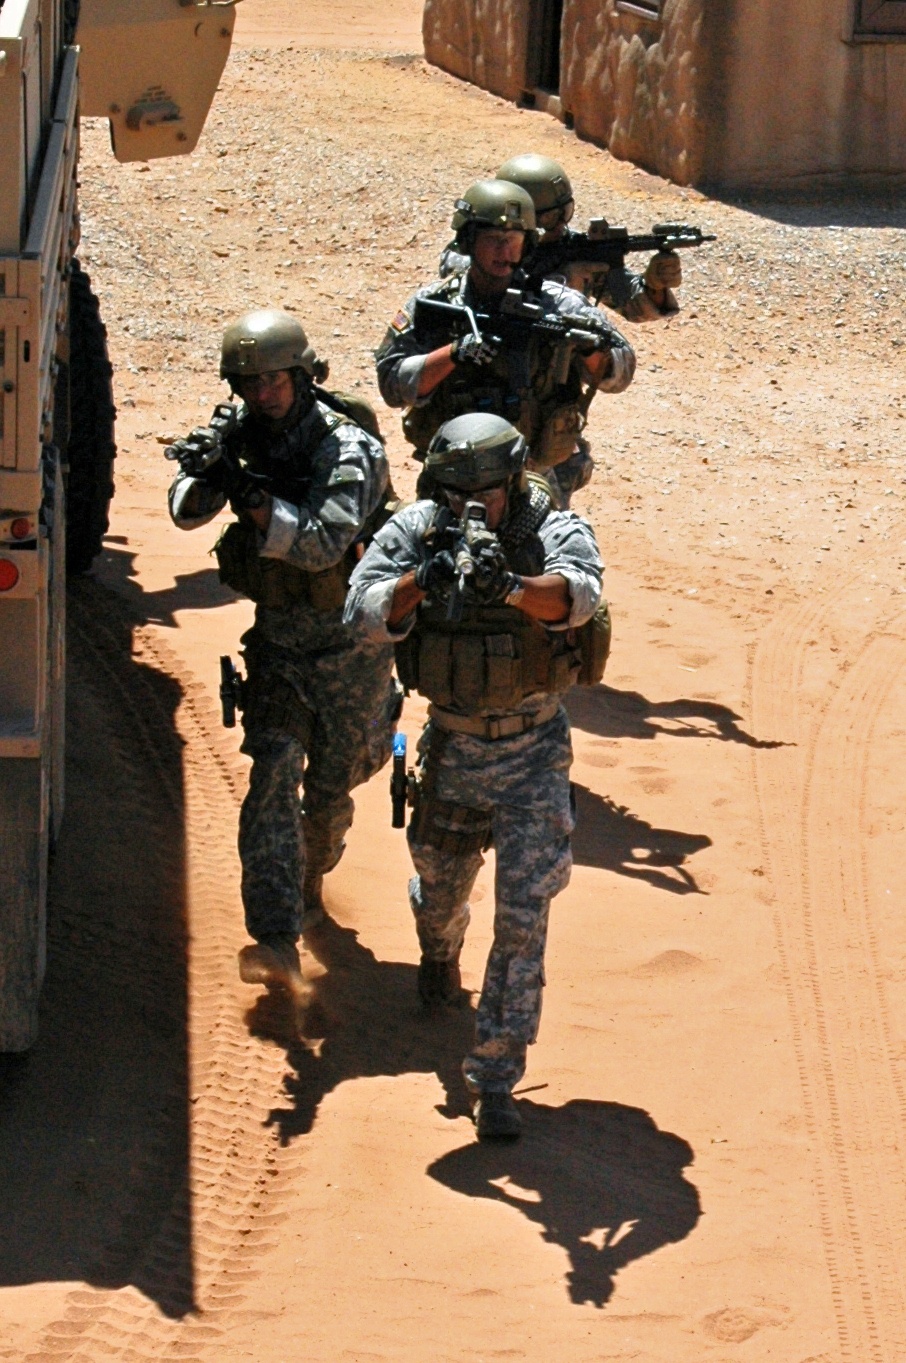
[(267, 340), (494, 205), (475, 451), (547, 183)]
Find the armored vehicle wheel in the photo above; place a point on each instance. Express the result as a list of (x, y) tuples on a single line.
[(91, 447)]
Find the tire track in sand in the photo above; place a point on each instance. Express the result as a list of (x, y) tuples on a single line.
[(232, 1204), (812, 807)]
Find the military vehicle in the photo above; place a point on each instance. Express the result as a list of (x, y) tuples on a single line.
[(151, 67)]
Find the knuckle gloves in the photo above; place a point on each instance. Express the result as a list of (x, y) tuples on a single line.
[(471, 349)]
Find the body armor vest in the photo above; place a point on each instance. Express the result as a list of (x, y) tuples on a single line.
[(495, 656), (286, 462), (517, 385)]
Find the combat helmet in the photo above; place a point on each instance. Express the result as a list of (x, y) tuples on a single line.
[(475, 451), (493, 204), (546, 182), (267, 340)]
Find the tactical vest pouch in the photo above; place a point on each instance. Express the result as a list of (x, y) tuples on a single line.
[(594, 646), (559, 432), (327, 590), (270, 582), (419, 425), (234, 552), (453, 829), (490, 661), (272, 703)]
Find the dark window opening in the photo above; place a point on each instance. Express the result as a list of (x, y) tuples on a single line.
[(881, 18)]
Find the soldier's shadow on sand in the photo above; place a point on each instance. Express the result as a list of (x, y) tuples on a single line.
[(599, 1178), (611, 837), (609, 713), (362, 1019)]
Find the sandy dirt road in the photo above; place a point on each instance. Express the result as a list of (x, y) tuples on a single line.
[(713, 1161)]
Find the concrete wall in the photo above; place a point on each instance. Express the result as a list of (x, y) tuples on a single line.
[(725, 92)]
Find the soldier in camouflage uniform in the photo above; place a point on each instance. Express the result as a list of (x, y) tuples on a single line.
[(419, 368), (648, 297), (495, 754), (307, 483)]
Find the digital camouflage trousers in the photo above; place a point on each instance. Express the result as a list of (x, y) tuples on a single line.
[(522, 786), (319, 725)]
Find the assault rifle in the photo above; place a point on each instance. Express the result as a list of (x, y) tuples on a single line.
[(199, 451), (465, 539), (515, 323), (604, 247), (205, 454), (472, 535)]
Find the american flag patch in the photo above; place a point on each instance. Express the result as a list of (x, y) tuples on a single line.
[(401, 322)]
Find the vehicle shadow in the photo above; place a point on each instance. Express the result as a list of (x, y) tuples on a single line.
[(611, 837), (199, 590), (363, 1019), (609, 713), (599, 1178), (94, 1142)]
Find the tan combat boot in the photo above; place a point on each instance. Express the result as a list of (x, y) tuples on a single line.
[(273, 961)]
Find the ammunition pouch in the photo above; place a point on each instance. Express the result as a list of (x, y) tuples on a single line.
[(593, 640), (451, 399), (491, 659), (456, 830), (453, 829), (271, 582)]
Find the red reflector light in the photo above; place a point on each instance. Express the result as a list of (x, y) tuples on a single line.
[(21, 528), (9, 574)]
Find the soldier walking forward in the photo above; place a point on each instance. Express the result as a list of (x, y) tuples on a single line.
[(540, 383), (495, 754), (307, 484), (648, 297)]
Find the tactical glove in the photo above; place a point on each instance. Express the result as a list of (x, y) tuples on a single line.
[(245, 491), (472, 349), (664, 271), (491, 580), (198, 453), (436, 576)]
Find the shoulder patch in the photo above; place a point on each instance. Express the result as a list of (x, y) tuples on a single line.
[(402, 321)]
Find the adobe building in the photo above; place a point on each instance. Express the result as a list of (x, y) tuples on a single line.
[(732, 93)]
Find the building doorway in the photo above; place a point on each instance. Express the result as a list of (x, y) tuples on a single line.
[(544, 44)]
